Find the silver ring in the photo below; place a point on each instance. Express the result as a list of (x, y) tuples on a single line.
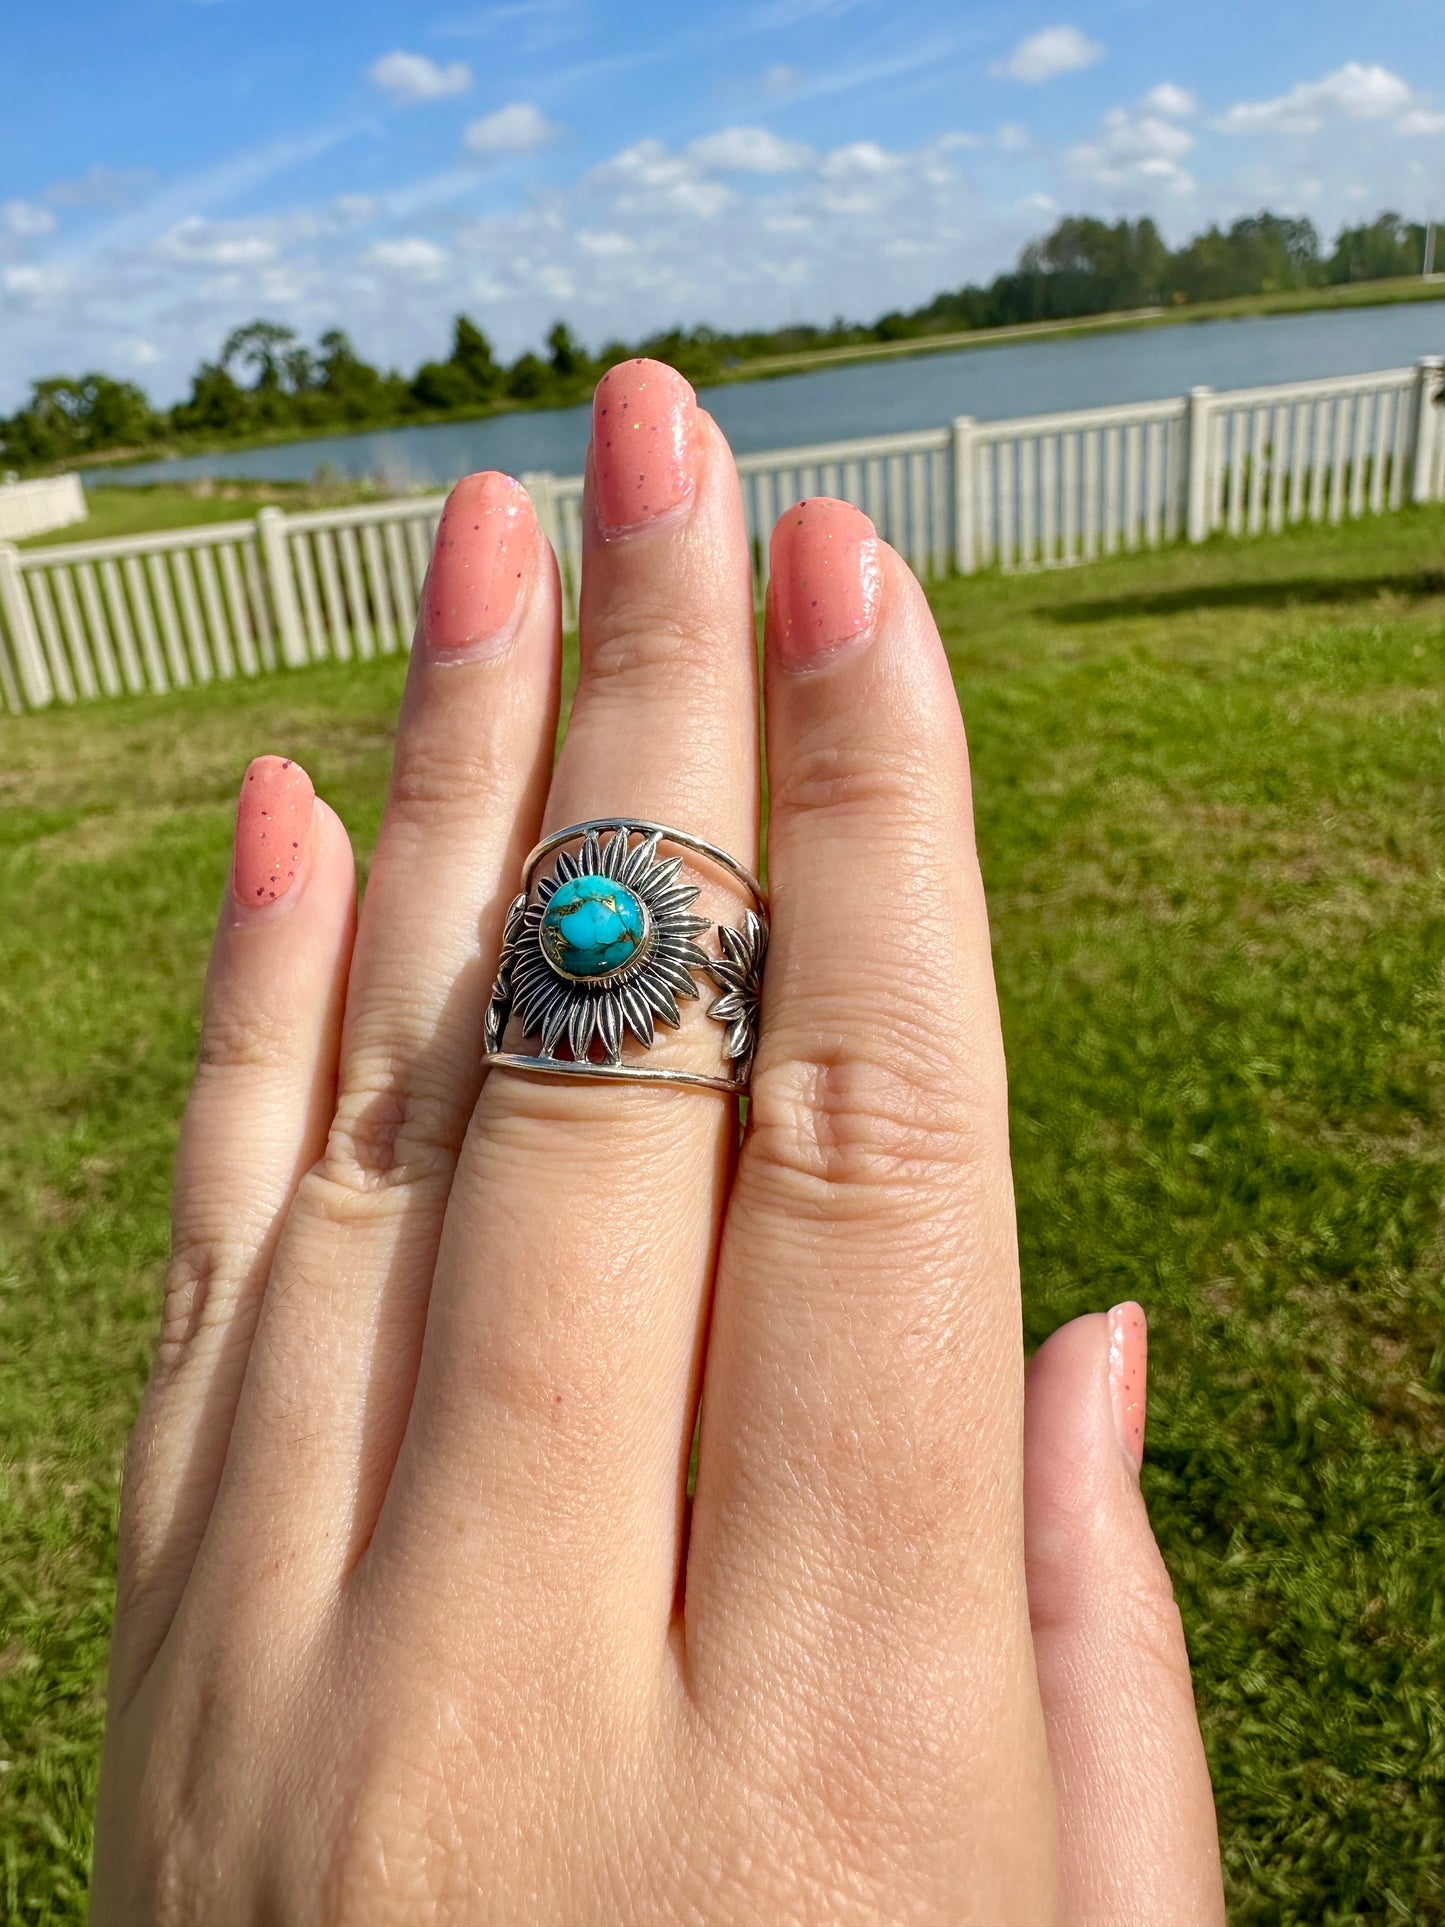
[(597, 952)]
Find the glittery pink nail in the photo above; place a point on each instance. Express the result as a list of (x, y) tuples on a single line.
[(480, 558), (644, 424), (273, 826), (824, 581), (1129, 1376)]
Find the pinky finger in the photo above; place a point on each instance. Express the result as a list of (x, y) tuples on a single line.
[(258, 1115), (1136, 1811)]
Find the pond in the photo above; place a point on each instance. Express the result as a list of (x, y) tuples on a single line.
[(1041, 376)]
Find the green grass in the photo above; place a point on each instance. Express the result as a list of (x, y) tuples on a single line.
[(1211, 806), (147, 507)]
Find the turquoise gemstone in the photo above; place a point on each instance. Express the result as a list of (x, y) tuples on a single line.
[(592, 927)]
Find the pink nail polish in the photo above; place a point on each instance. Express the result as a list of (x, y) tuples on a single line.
[(480, 558), (644, 435), (273, 828), (1129, 1376), (825, 581)]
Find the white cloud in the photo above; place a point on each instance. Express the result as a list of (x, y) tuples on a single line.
[(1177, 102), (412, 78), (1012, 138), (98, 186), (751, 150), (410, 255), (780, 81), (25, 218), (1352, 92), (604, 241), (1134, 149), (219, 244), (1057, 50), (1420, 120), (520, 128)]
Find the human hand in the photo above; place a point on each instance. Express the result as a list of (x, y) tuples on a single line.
[(416, 1621)]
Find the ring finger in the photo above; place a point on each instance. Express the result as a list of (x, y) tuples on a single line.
[(564, 1335)]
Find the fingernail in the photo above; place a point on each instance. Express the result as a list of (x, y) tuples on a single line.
[(273, 827), (1129, 1377), (644, 436), (483, 548), (824, 582)]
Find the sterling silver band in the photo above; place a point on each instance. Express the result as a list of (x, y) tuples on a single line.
[(597, 952)]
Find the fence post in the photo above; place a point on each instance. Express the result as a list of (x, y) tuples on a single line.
[(34, 674), (276, 552), (538, 484), (1425, 428), (1198, 438), (965, 516)]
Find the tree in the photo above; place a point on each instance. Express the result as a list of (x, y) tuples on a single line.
[(259, 345), (528, 379), (1388, 246), (566, 356), (472, 357)]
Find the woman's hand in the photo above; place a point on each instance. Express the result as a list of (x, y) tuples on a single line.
[(416, 1622)]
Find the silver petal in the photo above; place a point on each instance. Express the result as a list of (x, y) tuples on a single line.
[(636, 1010), (662, 1001), (660, 877), (546, 890), (589, 857), (566, 866), (580, 1023), (663, 902), (609, 1024), (677, 975), (554, 1022), (641, 859), (736, 944), (615, 854)]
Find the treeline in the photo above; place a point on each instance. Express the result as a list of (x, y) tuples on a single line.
[(266, 381)]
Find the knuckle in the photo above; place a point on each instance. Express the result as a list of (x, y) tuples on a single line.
[(203, 1282), (247, 1035), (649, 645), (1149, 1615), (444, 774), (831, 778), (835, 1125), (387, 1135)]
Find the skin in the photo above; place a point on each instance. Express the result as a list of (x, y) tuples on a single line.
[(415, 1621)]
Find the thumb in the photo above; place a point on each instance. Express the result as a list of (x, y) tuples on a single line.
[(1136, 1814)]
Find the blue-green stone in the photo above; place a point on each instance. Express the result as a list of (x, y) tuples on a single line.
[(592, 927)]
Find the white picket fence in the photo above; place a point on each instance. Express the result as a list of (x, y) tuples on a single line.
[(32, 508), (161, 612)]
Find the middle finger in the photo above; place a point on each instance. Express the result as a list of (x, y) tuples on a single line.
[(563, 1341)]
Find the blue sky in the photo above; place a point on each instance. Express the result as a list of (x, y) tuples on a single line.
[(171, 167)]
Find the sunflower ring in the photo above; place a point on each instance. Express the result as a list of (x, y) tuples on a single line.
[(602, 943)]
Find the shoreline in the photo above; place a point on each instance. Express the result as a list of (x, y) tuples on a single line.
[(1361, 294)]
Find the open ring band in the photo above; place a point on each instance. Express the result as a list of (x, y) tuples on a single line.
[(597, 952)]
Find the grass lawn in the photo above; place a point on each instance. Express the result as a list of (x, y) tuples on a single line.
[(150, 506), (1211, 802)]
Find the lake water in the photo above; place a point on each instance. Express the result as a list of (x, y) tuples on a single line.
[(877, 398)]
